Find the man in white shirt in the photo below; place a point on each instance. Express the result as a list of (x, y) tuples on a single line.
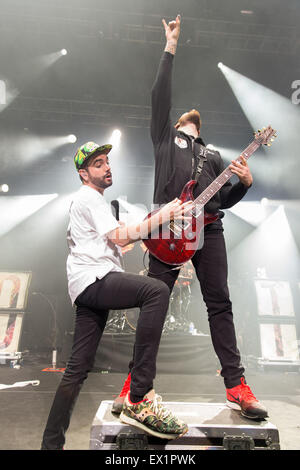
[(97, 283)]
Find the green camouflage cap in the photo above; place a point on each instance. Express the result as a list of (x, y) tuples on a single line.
[(87, 150)]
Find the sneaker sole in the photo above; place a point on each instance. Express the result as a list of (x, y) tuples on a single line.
[(117, 409), (133, 422), (236, 406)]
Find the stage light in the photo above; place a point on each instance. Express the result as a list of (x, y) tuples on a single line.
[(37, 65), (29, 148), (116, 134), (2, 92), (16, 209), (274, 109), (252, 212), (271, 245), (4, 188), (72, 138), (8, 93), (115, 138), (262, 106), (220, 65), (227, 154), (264, 201)]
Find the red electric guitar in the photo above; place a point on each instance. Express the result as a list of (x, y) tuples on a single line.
[(177, 242)]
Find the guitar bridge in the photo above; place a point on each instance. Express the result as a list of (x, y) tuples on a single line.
[(197, 211), (175, 228), (178, 227)]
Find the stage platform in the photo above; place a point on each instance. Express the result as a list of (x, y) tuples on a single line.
[(24, 410), (212, 426)]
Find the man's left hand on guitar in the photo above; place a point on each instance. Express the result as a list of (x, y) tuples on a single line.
[(242, 171)]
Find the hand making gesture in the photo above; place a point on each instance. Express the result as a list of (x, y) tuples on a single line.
[(172, 32)]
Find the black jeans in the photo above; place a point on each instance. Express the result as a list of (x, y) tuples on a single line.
[(211, 268), (115, 291)]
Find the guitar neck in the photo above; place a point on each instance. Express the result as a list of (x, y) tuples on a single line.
[(226, 174)]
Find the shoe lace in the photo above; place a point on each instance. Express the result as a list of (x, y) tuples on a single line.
[(246, 391), (159, 409)]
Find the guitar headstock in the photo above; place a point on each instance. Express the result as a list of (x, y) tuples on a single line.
[(265, 136)]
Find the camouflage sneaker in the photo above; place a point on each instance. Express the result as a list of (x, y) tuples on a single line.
[(153, 417)]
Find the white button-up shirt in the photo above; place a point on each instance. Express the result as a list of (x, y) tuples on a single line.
[(91, 254)]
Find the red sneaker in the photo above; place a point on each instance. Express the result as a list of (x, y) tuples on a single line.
[(118, 402), (242, 398)]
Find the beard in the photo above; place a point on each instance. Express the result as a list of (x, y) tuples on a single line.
[(101, 182)]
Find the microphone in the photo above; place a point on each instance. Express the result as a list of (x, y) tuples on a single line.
[(115, 208)]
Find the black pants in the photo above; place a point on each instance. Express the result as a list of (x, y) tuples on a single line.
[(210, 264), (115, 291)]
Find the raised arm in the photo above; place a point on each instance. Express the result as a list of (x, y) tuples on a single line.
[(161, 91)]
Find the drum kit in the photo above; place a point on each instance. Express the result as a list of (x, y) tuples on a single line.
[(177, 319)]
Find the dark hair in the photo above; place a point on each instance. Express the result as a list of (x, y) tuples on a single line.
[(191, 116), (87, 163)]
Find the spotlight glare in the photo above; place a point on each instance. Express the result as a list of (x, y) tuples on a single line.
[(246, 12), (64, 52), (220, 65), (115, 138), (72, 138), (4, 188), (116, 134)]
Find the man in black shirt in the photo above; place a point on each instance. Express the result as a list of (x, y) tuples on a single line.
[(180, 155)]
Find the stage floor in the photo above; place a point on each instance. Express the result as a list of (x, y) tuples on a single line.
[(24, 410)]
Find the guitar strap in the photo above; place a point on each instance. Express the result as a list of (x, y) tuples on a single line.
[(198, 161)]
